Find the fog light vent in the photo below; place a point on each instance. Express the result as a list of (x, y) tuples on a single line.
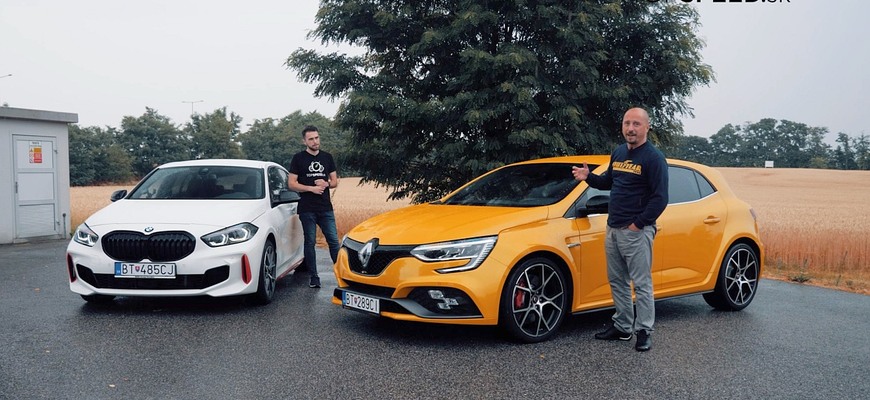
[(445, 302)]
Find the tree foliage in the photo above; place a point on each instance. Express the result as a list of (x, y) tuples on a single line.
[(278, 140), (152, 139), (106, 155), (95, 157), (109, 155), (213, 135), (446, 90), (788, 144)]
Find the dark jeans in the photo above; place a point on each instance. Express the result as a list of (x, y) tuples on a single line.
[(310, 222)]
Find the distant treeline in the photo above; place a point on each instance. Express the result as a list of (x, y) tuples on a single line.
[(119, 155), (788, 144)]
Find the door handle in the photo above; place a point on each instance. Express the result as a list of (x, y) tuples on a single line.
[(712, 220)]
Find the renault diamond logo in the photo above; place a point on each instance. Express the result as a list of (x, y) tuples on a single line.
[(149, 229), (365, 254)]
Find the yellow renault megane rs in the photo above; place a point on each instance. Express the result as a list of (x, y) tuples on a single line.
[(523, 246)]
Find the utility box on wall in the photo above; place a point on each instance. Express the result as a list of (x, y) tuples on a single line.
[(34, 174)]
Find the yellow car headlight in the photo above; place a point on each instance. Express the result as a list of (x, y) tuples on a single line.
[(473, 250)]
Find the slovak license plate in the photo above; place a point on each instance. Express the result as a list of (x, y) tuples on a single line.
[(144, 270), (362, 303)]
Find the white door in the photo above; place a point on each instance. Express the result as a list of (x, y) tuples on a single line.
[(36, 202)]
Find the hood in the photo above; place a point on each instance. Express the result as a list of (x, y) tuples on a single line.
[(209, 214), (431, 223)]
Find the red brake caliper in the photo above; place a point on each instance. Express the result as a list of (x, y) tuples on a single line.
[(520, 296)]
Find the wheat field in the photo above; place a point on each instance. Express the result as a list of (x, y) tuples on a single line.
[(813, 223)]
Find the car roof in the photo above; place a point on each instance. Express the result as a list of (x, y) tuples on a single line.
[(229, 162), (602, 159), (597, 159)]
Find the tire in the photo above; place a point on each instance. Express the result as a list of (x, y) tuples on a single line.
[(737, 281), (268, 274), (534, 301), (98, 298)]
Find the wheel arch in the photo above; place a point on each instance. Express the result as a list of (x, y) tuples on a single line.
[(756, 248), (558, 261)]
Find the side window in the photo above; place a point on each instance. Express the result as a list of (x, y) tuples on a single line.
[(581, 202), (277, 181), (705, 186), (682, 185)]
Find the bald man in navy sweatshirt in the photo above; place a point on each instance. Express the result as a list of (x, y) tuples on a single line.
[(638, 181)]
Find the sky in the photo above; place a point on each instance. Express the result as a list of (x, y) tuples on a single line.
[(801, 60)]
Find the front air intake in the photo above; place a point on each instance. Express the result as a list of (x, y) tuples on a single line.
[(131, 246)]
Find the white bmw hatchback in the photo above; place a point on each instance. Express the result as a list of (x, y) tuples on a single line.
[(191, 228)]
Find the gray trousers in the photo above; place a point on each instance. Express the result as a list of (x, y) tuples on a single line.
[(629, 259)]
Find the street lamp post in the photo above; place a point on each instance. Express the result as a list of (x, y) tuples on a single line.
[(191, 104)]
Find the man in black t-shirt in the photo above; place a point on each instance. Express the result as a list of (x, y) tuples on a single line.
[(312, 174)]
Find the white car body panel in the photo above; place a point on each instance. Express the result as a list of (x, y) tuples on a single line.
[(197, 217)]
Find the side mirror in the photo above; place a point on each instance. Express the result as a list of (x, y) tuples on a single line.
[(596, 205), (118, 195)]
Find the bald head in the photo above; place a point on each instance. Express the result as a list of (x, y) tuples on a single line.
[(635, 126)]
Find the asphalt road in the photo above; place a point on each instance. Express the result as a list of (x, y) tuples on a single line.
[(793, 341)]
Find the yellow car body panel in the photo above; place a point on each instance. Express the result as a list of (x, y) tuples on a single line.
[(689, 247)]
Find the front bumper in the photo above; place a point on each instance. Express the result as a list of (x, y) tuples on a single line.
[(207, 271), (404, 289)]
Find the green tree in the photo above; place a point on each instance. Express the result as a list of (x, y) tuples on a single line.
[(279, 140), (798, 144), (116, 163), (862, 151), (214, 134), (689, 148), (759, 142), (151, 140), (819, 152), (82, 160), (96, 157), (446, 90), (727, 145), (844, 157), (788, 144)]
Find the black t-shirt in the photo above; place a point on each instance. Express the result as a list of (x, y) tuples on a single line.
[(309, 168)]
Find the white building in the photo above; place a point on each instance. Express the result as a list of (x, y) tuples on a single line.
[(34, 174)]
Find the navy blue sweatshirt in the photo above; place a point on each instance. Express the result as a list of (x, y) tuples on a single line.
[(638, 183)]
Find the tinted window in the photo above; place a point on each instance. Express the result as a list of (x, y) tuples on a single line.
[(682, 185), (589, 193), (201, 182), (526, 185), (277, 181), (705, 186)]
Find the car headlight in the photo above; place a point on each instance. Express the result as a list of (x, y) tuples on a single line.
[(235, 234), (85, 236), (473, 250)]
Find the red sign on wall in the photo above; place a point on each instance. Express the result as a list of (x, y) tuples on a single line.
[(36, 152)]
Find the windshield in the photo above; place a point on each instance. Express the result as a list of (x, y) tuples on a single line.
[(202, 182), (525, 185)]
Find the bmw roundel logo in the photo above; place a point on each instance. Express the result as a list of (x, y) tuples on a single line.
[(149, 229)]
